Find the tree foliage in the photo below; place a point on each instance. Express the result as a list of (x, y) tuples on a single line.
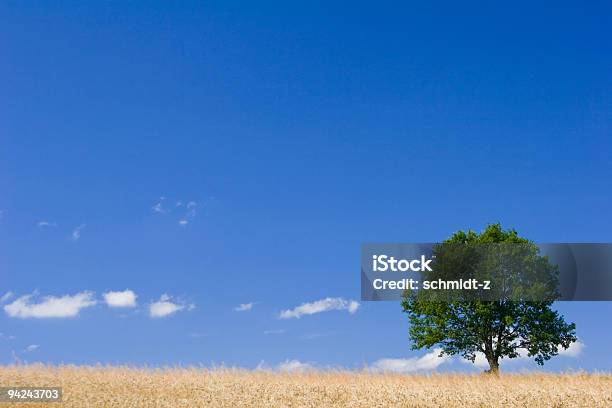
[(504, 328)]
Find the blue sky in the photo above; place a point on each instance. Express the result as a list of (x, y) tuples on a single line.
[(298, 132)]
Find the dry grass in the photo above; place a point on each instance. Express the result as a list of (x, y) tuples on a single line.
[(129, 387)]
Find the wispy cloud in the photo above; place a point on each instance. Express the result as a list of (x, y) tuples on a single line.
[(427, 362), (244, 307), (275, 331), (76, 233), (185, 211), (191, 212), (165, 306), (31, 348), (46, 224), (126, 298), (8, 295), (158, 207), (50, 306), (319, 306)]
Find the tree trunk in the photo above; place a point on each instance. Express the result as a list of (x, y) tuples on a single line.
[(493, 366), (491, 356)]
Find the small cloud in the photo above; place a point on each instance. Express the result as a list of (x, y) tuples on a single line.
[(159, 206), (275, 331), (76, 233), (319, 306), (294, 366), (126, 298), (8, 295), (48, 224), (428, 362), (188, 210), (50, 306), (191, 210), (165, 307), (244, 307), (7, 337), (31, 348)]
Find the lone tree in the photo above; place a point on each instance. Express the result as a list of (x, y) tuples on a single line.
[(498, 328)]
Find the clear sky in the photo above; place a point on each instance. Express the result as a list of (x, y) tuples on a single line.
[(282, 136)]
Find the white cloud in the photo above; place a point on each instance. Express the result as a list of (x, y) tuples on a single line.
[(427, 362), (480, 361), (275, 331), (166, 307), (76, 233), (46, 224), (244, 307), (574, 350), (50, 306), (294, 366), (159, 206), (6, 296), (126, 298), (188, 210), (31, 348), (323, 305)]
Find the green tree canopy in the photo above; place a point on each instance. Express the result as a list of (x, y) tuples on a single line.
[(500, 328)]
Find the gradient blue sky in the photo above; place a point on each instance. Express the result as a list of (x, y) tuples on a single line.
[(301, 131)]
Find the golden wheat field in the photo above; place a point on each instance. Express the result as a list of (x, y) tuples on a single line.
[(132, 387)]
